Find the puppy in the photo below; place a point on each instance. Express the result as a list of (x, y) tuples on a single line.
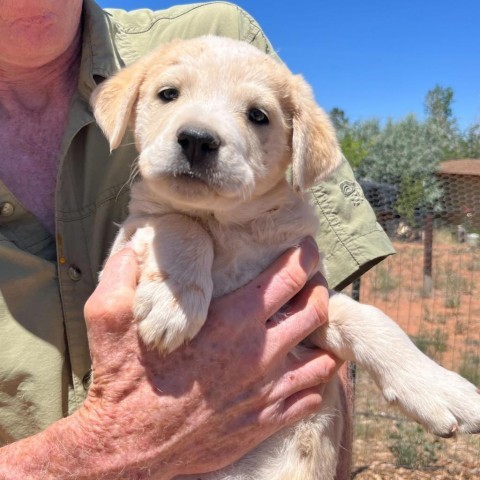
[(217, 124)]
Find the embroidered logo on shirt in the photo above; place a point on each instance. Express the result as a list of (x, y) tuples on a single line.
[(353, 192)]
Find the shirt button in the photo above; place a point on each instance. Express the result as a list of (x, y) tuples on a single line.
[(87, 380), (6, 209), (74, 273)]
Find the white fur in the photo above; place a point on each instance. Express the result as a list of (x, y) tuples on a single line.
[(204, 229)]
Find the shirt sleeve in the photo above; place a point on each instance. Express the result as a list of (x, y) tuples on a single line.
[(349, 234)]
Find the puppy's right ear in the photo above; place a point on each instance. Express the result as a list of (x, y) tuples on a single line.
[(113, 101), (315, 149)]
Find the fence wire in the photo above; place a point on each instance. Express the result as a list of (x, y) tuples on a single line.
[(431, 287)]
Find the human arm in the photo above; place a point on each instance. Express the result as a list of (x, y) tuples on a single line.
[(199, 408)]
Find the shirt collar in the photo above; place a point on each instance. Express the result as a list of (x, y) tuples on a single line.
[(99, 57)]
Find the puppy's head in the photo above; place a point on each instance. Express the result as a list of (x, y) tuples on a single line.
[(216, 122)]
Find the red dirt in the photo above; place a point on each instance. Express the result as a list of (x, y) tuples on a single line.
[(446, 325), (449, 317)]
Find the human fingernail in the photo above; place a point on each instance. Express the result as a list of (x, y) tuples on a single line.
[(312, 256)]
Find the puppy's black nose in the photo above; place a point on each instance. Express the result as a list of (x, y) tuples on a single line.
[(197, 144)]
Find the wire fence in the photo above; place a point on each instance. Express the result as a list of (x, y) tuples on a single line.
[(431, 287)]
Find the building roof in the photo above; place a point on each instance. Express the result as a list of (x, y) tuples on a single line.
[(460, 167)]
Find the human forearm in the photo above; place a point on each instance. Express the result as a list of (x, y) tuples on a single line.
[(69, 449), (57, 452)]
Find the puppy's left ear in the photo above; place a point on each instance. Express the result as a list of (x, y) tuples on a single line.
[(315, 149)]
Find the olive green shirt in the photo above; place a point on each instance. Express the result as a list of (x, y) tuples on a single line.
[(45, 281)]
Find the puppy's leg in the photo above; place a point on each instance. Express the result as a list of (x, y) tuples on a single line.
[(129, 227), (175, 286), (439, 399)]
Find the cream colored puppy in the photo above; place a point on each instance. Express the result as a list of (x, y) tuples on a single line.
[(217, 123)]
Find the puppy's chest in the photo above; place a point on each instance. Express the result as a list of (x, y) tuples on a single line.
[(229, 273), (242, 252)]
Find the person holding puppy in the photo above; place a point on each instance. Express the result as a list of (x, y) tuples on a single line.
[(61, 196)]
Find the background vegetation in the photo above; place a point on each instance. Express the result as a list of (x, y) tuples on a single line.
[(405, 153), (395, 162)]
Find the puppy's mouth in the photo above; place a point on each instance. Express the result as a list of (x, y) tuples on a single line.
[(192, 183), (192, 177), (180, 175)]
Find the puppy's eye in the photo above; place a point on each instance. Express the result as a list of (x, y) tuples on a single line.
[(168, 94), (258, 116)]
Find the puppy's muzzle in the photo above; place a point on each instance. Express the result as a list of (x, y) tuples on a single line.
[(199, 145)]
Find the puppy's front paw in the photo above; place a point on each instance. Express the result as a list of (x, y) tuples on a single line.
[(170, 316), (441, 400)]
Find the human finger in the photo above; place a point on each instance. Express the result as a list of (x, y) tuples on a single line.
[(305, 313), (303, 370), (111, 302), (301, 404), (120, 270)]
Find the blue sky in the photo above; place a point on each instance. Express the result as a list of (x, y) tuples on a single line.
[(372, 58)]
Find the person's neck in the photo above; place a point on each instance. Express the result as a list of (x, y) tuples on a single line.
[(34, 88)]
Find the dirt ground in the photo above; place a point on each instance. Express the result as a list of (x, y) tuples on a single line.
[(381, 431), (442, 315)]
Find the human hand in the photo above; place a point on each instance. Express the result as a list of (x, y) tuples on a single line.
[(206, 404)]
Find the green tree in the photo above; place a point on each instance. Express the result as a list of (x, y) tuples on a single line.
[(405, 154), (354, 149), (356, 139), (441, 123), (339, 120), (438, 104), (470, 143)]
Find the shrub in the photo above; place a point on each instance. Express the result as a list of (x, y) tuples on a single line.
[(412, 447)]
